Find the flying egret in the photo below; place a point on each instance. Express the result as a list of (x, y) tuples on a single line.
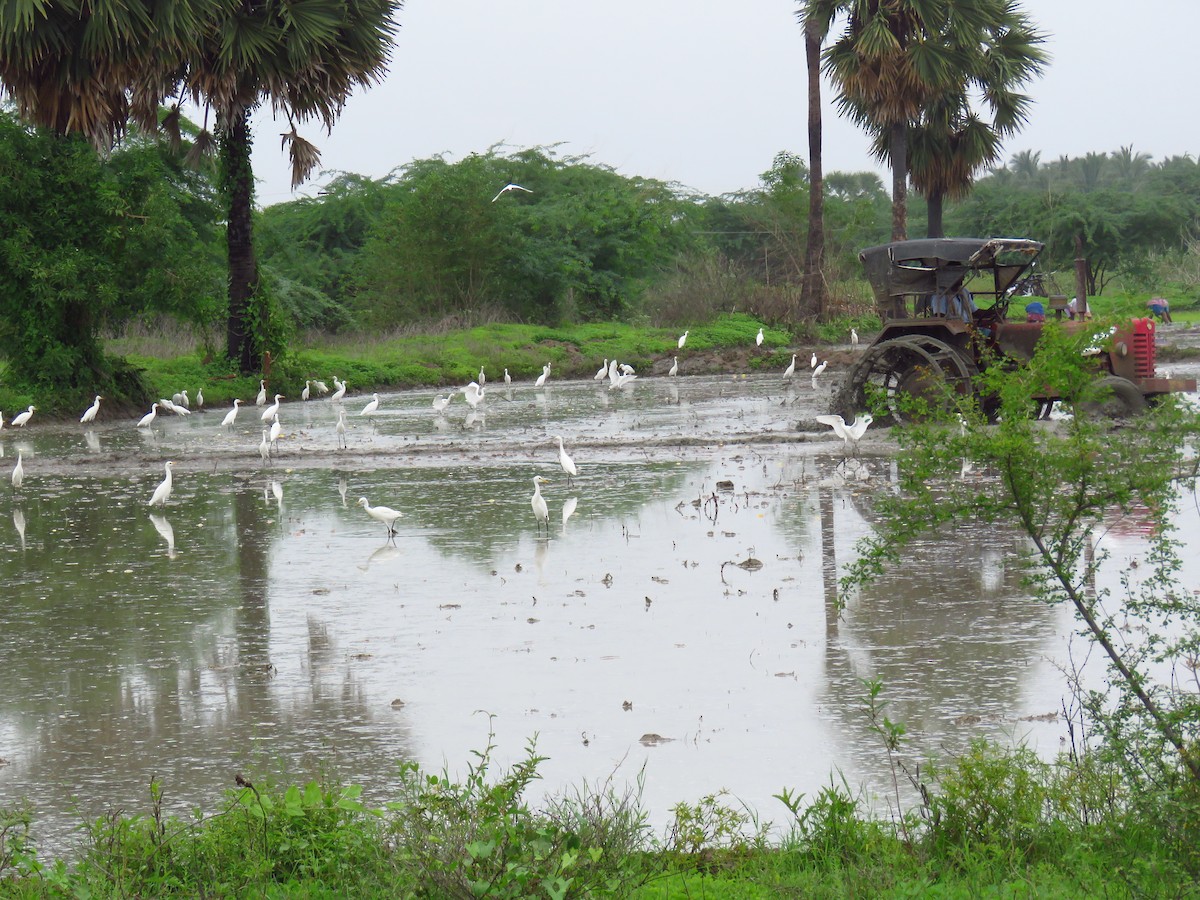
[(683, 339), (853, 338), (507, 377), (89, 414), (851, 434), (340, 391), (232, 414), (264, 448), (270, 411), (162, 493), (261, 399), (276, 430), (759, 339), (511, 186), (340, 428), (18, 473), (602, 373), (473, 394), (791, 369), (541, 379), (674, 367), (564, 460), (304, 394), (541, 512), (384, 514), (812, 363), (20, 419), (371, 408), (148, 418), (322, 388), (440, 403)]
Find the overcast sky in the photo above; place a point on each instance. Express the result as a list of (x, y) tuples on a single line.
[(704, 93)]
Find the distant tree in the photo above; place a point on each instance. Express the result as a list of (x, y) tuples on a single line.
[(89, 69)]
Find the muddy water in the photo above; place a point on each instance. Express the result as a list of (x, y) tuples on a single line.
[(680, 617)]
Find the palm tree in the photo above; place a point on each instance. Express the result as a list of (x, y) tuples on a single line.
[(90, 69), (814, 252)]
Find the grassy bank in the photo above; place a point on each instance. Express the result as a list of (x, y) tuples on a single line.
[(994, 822)]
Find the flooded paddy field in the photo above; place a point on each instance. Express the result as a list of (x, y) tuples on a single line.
[(679, 619)]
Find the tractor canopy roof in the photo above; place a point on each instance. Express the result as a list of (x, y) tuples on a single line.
[(922, 266)]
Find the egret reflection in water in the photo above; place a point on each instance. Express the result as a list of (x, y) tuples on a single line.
[(19, 524), (165, 531)]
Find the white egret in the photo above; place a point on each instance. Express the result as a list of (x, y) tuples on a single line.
[(340, 428), (482, 377), (622, 380), (541, 379), (818, 370), (162, 493), (853, 338), (304, 394), (851, 434), (674, 370), (264, 448), (384, 514), (791, 369), (1, 419), (541, 512), (200, 398), (261, 399), (511, 186), (613, 370), (276, 430), (89, 414), (270, 411), (322, 388), (602, 372), (232, 414), (21, 419), (683, 339), (507, 377), (564, 460), (759, 338), (812, 363), (177, 398), (148, 418), (185, 402), (473, 394), (626, 369), (372, 407), (340, 391), (440, 403), (18, 473)]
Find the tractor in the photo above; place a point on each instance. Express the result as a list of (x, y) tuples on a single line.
[(929, 346)]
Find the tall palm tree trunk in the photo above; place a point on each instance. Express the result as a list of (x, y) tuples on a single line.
[(934, 202), (239, 237), (814, 251), (898, 151)]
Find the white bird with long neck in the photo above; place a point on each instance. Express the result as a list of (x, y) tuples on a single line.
[(791, 369), (541, 379), (339, 390), (473, 394), (440, 403), (758, 338), (482, 377), (850, 434), (674, 370), (853, 338), (812, 363), (184, 402), (372, 407), (148, 419), (384, 514), (18, 473), (322, 388), (261, 399), (304, 394), (276, 430), (232, 414), (89, 415), (264, 447), (541, 512), (162, 493), (683, 339), (269, 413), (20, 420), (340, 429), (564, 460), (507, 377), (200, 398), (602, 372), (818, 370)]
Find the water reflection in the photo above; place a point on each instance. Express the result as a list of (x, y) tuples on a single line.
[(165, 531)]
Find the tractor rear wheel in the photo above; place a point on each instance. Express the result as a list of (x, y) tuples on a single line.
[(1112, 397)]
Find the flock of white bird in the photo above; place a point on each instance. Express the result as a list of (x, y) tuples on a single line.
[(617, 374)]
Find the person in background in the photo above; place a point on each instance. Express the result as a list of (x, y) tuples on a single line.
[(1073, 310), (1161, 309), (955, 301), (1035, 311)]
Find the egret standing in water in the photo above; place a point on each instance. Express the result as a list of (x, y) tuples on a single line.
[(276, 430), (812, 363), (162, 493), (602, 373), (851, 434), (270, 411), (18, 473), (818, 370), (21, 419), (340, 392), (304, 394), (564, 460), (440, 403), (541, 512), (541, 379), (261, 399), (148, 419), (384, 514), (473, 394), (507, 377), (340, 428), (232, 414), (853, 338), (200, 398), (791, 369), (264, 448), (89, 414), (371, 408), (674, 370)]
